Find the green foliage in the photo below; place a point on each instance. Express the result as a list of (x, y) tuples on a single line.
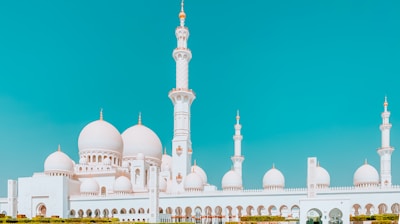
[(263, 218), (377, 217)]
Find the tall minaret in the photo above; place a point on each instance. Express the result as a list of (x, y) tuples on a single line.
[(385, 151), (237, 158), (182, 98)]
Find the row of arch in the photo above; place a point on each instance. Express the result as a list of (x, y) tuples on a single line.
[(180, 214), (370, 209)]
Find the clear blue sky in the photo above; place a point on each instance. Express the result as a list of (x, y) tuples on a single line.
[(308, 76)]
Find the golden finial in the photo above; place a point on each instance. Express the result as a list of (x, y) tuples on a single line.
[(237, 116), (59, 148), (101, 114), (165, 150), (182, 14), (194, 163), (385, 104), (140, 118)]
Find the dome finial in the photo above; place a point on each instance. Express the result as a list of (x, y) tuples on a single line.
[(273, 165), (59, 148), (366, 161), (237, 117), (182, 14), (140, 118), (101, 114), (165, 150), (194, 163), (385, 104)]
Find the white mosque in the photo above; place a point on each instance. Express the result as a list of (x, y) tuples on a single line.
[(128, 176)]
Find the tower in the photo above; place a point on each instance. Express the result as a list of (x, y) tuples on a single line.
[(385, 151), (237, 158), (182, 98)]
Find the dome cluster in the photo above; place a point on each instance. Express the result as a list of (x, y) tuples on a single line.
[(101, 143)]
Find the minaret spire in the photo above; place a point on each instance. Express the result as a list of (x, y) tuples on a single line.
[(182, 98), (385, 151), (237, 158), (182, 14)]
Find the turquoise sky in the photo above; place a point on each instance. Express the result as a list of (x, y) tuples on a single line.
[(308, 76)]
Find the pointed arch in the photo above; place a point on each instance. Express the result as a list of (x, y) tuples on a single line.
[(369, 209), (260, 210), (123, 211), (188, 213), (132, 211), (80, 213), (169, 210), (239, 211), (284, 211), (272, 210), (395, 208), (105, 213), (114, 211), (249, 210), (382, 208), (97, 213), (356, 209), (88, 213), (295, 210)]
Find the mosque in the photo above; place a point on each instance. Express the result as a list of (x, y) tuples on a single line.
[(128, 176)]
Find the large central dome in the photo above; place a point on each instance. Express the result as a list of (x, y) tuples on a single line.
[(141, 139), (100, 136)]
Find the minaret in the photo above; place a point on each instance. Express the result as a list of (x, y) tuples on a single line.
[(385, 151), (182, 98), (237, 158)]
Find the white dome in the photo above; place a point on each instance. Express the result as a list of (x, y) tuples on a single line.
[(366, 175), (58, 162), (100, 136), (122, 184), (201, 172), (193, 182), (162, 184), (89, 186), (140, 139), (322, 177), (166, 162), (232, 181), (273, 178)]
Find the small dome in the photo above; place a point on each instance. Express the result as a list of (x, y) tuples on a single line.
[(58, 162), (122, 185), (166, 162), (232, 181), (273, 179), (140, 139), (323, 179), (193, 182), (100, 136), (366, 175), (89, 186), (201, 172), (162, 184)]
